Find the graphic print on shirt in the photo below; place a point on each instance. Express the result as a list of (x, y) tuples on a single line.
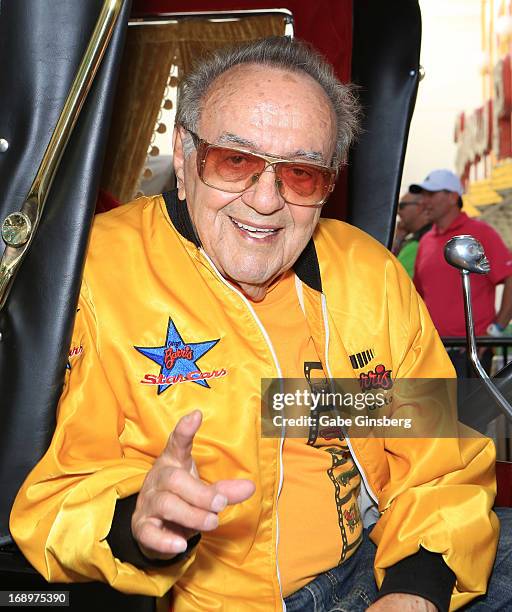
[(318, 383), (343, 468), (342, 471), (178, 361)]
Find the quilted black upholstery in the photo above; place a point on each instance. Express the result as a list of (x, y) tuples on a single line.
[(385, 64), (45, 40)]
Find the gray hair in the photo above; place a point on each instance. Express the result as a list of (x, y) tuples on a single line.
[(278, 52)]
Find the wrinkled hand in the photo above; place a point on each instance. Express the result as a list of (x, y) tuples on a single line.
[(402, 602), (174, 503)]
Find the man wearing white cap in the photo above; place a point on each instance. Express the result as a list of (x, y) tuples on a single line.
[(438, 282)]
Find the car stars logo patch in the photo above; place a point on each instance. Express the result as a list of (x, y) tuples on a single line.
[(380, 378), (178, 361)]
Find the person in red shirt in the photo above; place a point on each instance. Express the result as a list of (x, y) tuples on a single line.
[(439, 283)]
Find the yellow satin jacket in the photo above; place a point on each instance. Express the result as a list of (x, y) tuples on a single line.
[(149, 291)]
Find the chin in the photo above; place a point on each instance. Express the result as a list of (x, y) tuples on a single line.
[(256, 279), (246, 272)]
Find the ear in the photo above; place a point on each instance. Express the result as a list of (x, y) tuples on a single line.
[(178, 160)]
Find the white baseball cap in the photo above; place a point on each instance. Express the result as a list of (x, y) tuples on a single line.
[(439, 180)]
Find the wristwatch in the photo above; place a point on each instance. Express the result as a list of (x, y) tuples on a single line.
[(496, 330)]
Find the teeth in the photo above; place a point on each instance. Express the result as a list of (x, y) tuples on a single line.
[(254, 230)]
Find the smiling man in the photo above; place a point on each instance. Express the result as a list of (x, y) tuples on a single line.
[(254, 238), (158, 475)]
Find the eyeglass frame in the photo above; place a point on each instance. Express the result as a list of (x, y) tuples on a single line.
[(402, 205), (202, 147)]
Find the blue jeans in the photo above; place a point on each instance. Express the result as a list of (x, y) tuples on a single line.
[(350, 587)]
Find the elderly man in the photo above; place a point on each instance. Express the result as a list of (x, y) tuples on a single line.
[(188, 301)]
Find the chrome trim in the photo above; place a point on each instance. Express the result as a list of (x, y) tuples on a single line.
[(34, 204), (499, 398), (166, 18), (24, 229)]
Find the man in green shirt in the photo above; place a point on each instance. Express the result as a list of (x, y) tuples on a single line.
[(412, 225)]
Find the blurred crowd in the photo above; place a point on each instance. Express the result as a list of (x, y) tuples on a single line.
[(429, 214)]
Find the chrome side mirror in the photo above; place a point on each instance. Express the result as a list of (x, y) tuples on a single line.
[(467, 253)]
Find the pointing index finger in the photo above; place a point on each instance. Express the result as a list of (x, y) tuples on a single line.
[(179, 445)]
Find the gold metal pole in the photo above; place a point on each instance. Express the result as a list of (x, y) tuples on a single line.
[(484, 49), (490, 42), (19, 228)]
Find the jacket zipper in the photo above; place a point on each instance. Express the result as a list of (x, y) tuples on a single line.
[(279, 374), (329, 374)]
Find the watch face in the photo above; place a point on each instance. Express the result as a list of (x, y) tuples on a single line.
[(16, 229)]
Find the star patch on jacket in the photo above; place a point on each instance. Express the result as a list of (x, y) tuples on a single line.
[(177, 360)]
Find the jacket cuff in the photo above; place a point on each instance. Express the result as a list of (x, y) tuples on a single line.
[(124, 546), (424, 574)]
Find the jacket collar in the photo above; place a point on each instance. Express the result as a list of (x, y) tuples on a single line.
[(306, 267)]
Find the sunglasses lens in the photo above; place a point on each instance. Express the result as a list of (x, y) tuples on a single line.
[(235, 171), (303, 184), (403, 205), (231, 170)]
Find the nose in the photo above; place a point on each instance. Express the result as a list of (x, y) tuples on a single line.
[(264, 196)]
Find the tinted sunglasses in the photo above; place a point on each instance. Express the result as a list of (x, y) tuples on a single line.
[(402, 205), (236, 170)]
